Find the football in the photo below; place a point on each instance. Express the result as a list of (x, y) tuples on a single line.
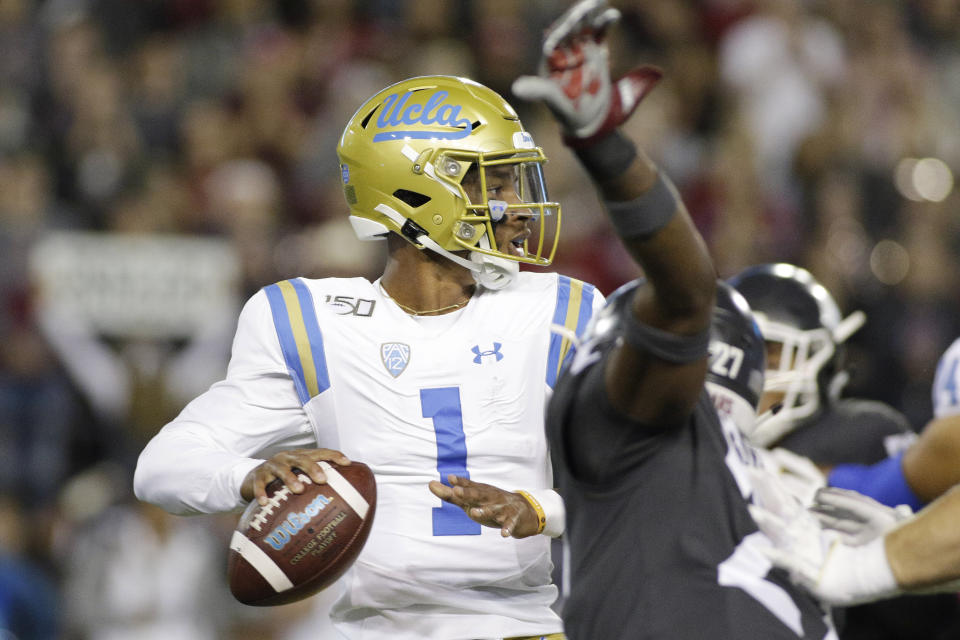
[(298, 544)]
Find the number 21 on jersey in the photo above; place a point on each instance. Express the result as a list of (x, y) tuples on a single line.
[(442, 406)]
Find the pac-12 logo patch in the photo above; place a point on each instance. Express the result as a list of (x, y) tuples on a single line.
[(395, 357)]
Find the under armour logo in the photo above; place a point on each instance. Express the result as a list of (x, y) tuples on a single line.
[(493, 352)]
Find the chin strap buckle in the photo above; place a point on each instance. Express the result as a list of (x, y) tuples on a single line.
[(413, 232)]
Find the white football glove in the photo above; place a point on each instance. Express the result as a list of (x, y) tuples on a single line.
[(574, 75), (834, 572), (816, 558), (857, 518)]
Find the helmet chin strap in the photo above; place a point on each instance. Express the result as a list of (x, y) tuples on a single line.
[(426, 240), (488, 271), (495, 273)]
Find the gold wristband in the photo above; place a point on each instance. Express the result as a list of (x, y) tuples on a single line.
[(541, 516)]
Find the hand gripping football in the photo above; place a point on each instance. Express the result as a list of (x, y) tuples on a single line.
[(298, 544)]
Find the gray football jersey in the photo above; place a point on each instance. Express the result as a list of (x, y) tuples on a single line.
[(661, 544)]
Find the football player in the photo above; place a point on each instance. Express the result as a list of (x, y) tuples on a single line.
[(801, 405), (858, 444), (440, 367), (660, 541), (437, 373), (659, 536)]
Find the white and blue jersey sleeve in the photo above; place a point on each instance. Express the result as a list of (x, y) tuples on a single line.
[(197, 463)]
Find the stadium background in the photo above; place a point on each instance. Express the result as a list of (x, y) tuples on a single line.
[(144, 143)]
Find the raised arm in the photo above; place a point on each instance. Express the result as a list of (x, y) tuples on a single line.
[(677, 299), (657, 373)]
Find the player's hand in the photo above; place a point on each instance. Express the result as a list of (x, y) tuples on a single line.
[(282, 466), (857, 518), (816, 558), (490, 506), (834, 572), (574, 75)]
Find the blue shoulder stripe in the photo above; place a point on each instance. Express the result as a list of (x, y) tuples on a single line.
[(573, 311), (300, 337)]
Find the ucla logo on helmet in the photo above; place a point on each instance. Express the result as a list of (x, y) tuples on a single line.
[(396, 114), (345, 173)]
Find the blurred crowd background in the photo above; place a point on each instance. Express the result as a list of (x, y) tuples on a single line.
[(167, 158)]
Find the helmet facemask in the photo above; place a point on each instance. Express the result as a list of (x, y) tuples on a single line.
[(793, 373), (507, 207), (805, 332)]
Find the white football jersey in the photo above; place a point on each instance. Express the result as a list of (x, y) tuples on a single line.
[(336, 363), (946, 383)]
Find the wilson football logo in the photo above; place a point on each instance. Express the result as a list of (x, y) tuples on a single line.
[(279, 537)]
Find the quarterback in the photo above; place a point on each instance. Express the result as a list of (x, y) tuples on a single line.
[(439, 368)]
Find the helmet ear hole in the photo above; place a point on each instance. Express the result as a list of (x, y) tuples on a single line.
[(366, 118), (411, 198)]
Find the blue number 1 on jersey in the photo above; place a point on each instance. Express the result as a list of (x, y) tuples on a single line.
[(442, 405)]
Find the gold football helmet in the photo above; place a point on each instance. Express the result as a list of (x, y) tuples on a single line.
[(440, 160)]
